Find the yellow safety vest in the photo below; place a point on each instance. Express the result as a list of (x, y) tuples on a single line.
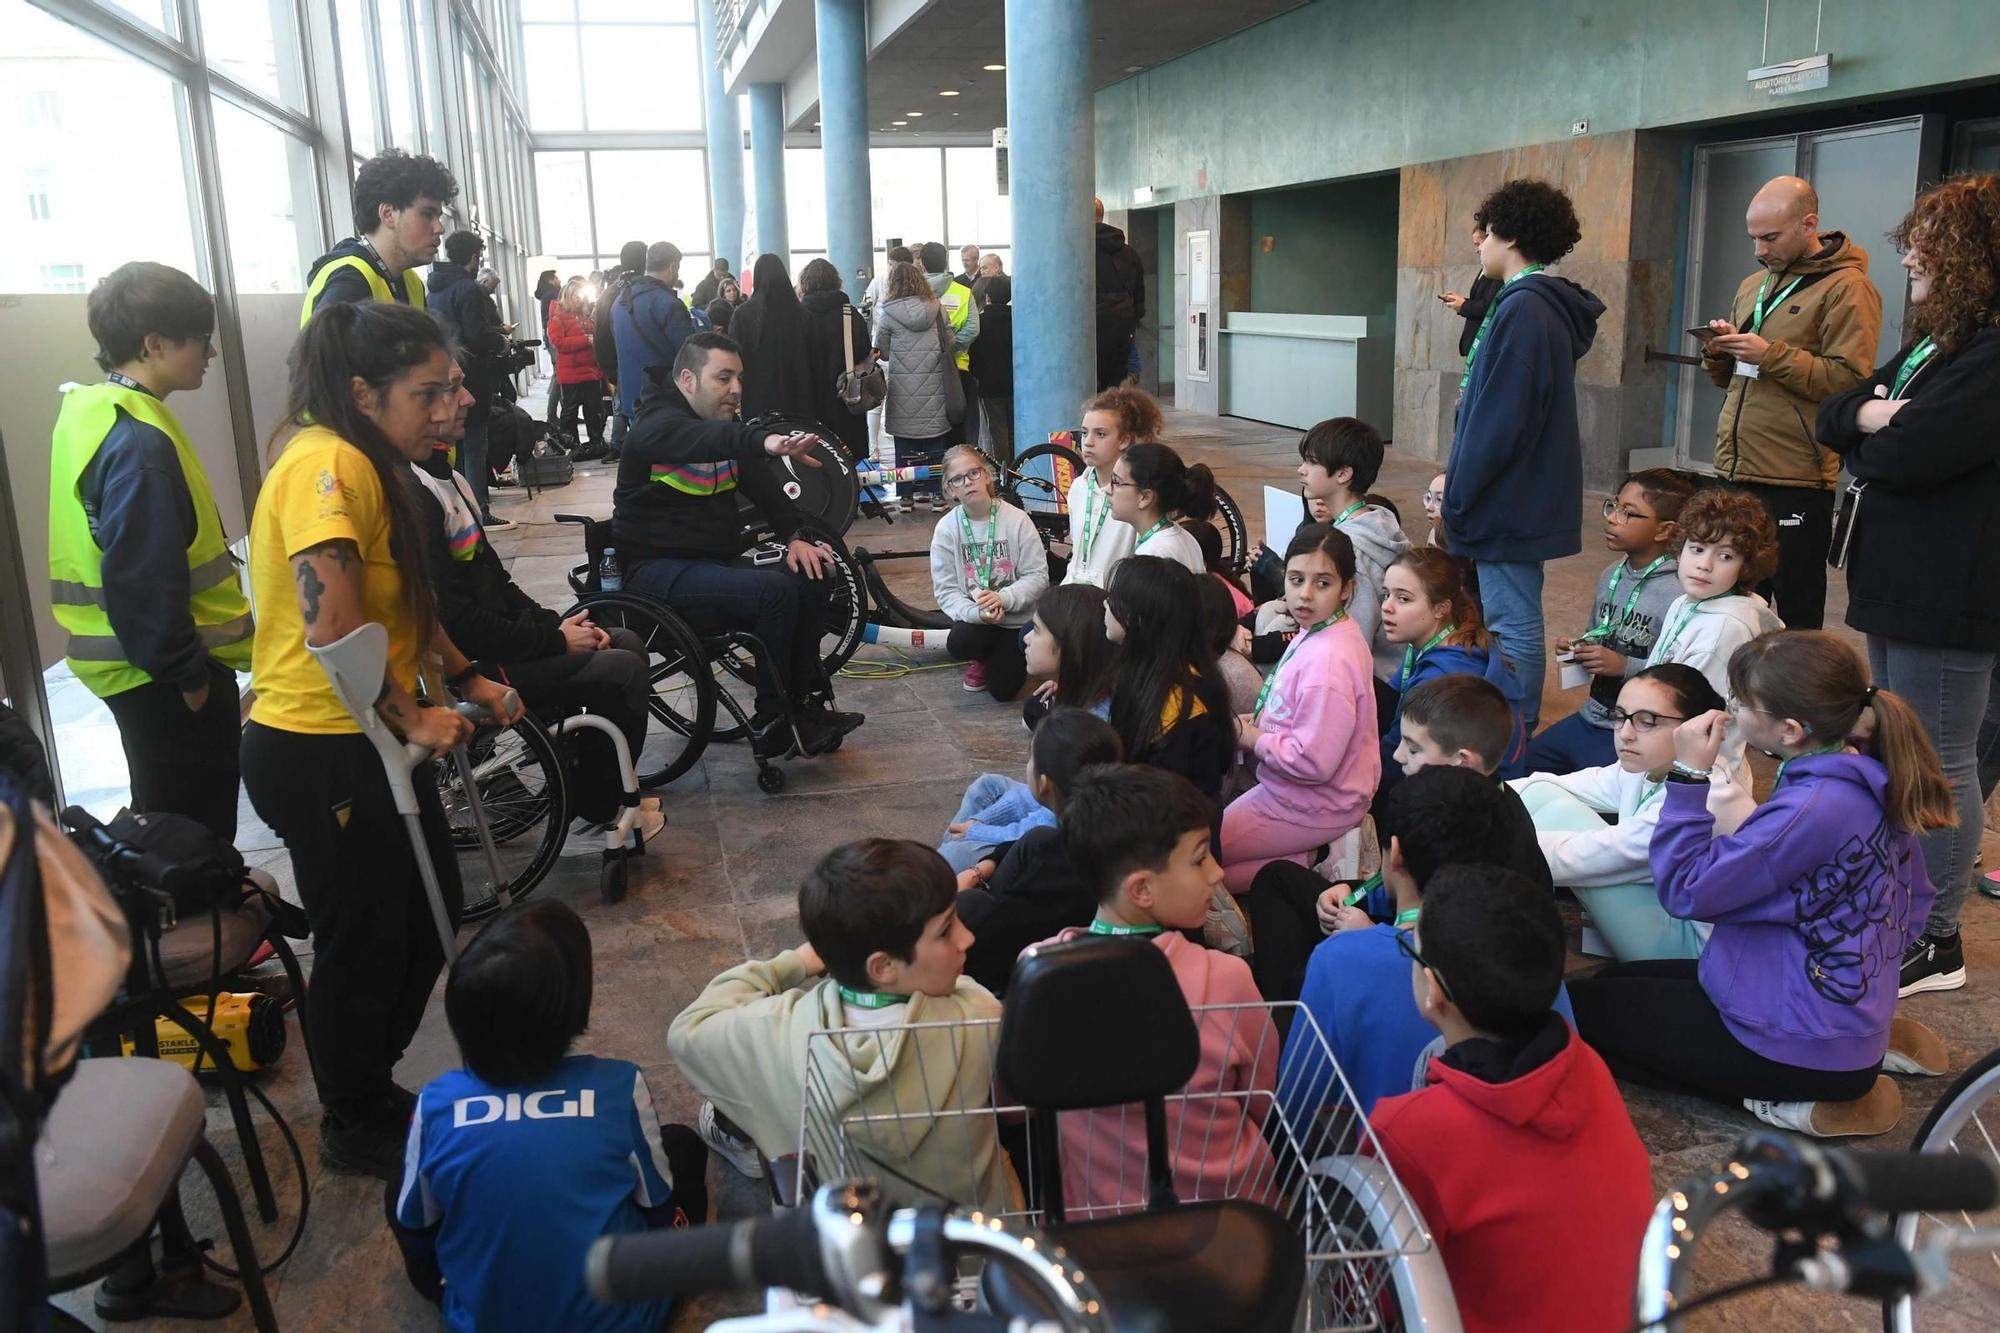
[(76, 562), (958, 309), (413, 286)]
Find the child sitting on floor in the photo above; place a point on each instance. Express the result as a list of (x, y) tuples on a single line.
[(1338, 461), (1311, 729), (881, 920), (519, 1161), (1518, 1151), (1428, 608), (1791, 1008), (1219, 622), (1434, 510), (1139, 837), (1633, 593), (1113, 422), (988, 569), (1151, 490), (1356, 985), (1608, 865), (1026, 890), (1728, 545), (1168, 704), (1448, 721), (1068, 653)]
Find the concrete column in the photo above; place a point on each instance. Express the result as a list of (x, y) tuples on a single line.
[(1050, 158), (725, 148), (767, 160), (843, 137)]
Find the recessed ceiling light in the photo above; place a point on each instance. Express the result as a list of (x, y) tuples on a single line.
[(913, 113), (993, 67), (899, 122), (954, 113), (1133, 69), (949, 92)]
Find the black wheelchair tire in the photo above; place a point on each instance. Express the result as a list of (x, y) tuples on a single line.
[(674, 653), (518, 814)]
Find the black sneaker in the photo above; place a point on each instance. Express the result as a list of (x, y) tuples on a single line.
[(1933, 962), (825, 714), (772, 738), (369, 1147)]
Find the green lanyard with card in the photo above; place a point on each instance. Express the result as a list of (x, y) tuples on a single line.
[(983, 569), (1912, 363), (1413, 655), (1761, 309), (1270, 681), (1603, 628), (1094, 514), (1472, 352)]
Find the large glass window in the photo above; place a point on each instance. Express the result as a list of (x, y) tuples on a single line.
[(908, 189), (153, 13), (256, 42), (977, 213), (352, 30), (658, 195), (634, 78), (555, 78), (805, 199), (398, 80)]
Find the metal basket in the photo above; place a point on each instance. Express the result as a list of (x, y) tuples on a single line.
[(1308, 1151)]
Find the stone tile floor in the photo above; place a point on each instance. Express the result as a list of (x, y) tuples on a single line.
[(717, 886)]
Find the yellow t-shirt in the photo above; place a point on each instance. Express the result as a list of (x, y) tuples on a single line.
[(321, 489)]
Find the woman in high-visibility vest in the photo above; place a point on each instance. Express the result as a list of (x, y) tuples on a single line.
[(338, 542), (140, 574)]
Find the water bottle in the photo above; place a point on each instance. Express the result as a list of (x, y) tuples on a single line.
[(608, 577)]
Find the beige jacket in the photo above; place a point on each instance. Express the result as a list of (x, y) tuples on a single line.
[(908, 1104), (1823, 337)]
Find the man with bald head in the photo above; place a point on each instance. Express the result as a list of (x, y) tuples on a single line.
[(1802, 328)]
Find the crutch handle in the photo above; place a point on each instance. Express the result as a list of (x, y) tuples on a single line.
[(473, 712)]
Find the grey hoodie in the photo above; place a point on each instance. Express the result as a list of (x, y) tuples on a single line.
[(1378, 539), (1705, 635)]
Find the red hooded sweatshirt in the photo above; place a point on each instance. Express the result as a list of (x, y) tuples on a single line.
[(1536, 1188)]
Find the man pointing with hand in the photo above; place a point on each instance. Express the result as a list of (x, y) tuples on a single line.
[(1801, 329), (678, 533)]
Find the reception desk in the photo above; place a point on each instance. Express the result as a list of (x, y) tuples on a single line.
[(1295, 370)]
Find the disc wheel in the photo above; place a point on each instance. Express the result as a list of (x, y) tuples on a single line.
[(524, 790), (683, 698)]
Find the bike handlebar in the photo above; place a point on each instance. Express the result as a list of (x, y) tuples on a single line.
[(1915, 1182), (777, 1251)]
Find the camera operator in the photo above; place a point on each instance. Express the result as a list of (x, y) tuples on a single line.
[(474, 322)]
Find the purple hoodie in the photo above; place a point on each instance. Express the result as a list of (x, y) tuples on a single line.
[(1813, 900)]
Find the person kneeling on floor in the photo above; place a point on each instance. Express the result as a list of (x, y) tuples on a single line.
[(677, 527)]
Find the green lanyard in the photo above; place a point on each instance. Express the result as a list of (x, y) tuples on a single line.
[(1093, 516), (1364, 888), (1350, 511), (1649, 793), (1759, 310), (870, 999), (1602, 629), (1100, 927), (1484, 324), (1147, 535), (1669, 641), (984, 570), (1777, 781), (1408, 916), (1413, 655), (1264, 691), (1912, 363)]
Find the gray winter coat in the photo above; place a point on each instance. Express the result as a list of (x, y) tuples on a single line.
[(907, 333)]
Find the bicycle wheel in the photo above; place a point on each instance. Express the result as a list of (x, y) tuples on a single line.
[(1038, 483), (828, 492), (1228, 521), (683, 702), (524, 790), (1966, 1120)]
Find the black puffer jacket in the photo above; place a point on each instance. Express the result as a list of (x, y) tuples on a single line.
[(469, 313), (1924, 562), (1121, 287)]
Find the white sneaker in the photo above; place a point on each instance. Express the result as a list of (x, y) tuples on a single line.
[(1875, 1112), (739, 1153)]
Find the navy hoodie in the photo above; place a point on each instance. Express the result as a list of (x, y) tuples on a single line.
[(1514, 483), (1451, 660)]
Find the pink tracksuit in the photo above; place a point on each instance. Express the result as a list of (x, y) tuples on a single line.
[(1318, 762)]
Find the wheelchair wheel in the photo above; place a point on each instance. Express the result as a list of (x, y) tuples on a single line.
[(683, 702), (1228, 521), (524, 791), (828, 492)]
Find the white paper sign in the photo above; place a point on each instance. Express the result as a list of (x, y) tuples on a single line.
[(1284, 514)]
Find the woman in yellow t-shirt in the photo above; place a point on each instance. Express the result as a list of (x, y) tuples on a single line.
[(337, 542)]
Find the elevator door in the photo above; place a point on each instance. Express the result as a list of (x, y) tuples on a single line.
[(1867, 177)]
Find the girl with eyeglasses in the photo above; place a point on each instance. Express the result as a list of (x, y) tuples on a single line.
[(1151, 490), (988, 569), (1790, 1011), (1608, 864)]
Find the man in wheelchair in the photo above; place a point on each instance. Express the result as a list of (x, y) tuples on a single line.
[(679, 536), (558, 666)]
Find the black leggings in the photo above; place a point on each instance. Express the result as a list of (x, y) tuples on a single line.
[(1654, 1025), (998, 649), (589, 396), (1282, 907)]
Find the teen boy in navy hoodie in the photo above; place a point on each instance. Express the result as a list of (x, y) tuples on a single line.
[(1514, 488), (1519, 1152)]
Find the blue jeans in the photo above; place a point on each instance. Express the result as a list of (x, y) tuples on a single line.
[(1569, 745), (1948, 688), (786, 611), (620, 423), (1511, 594), (961, 854), (472, 458), (914, 452)]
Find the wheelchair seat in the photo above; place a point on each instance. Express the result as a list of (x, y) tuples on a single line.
[(1099, 1022)]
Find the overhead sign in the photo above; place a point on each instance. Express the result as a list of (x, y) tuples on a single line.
[(1803, 75)]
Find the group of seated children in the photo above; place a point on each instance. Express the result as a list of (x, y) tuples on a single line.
[(1756, 947)]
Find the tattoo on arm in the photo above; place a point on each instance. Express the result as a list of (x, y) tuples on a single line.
[(310, 588), (341, 550)]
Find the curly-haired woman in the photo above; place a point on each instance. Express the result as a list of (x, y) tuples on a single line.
[(1514, 491), (1922, 540)]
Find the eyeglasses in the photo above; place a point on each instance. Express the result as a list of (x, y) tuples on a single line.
[(1643, 720), (1114, 483), (1433, 501), (1406, 944), (963, 480), (1624, 513)]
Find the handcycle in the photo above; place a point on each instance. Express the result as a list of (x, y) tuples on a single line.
[(1834, 1214), (1963, 1125)]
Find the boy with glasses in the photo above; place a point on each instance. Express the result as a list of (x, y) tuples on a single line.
[(988, 569), (1517, 1148), (1633, 593)]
